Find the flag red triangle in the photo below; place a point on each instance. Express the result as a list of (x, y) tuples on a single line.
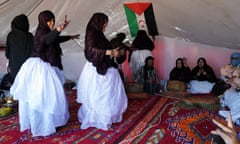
[(138, 7)]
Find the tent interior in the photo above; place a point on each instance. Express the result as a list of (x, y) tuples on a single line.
[(192, 29), (187, 28)]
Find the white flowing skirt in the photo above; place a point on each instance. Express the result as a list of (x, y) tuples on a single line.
[(60, 74), (137, 60), (103, 98), (42, 102)]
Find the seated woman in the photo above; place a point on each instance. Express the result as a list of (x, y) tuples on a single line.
[(148, 76), (7, 80), (203, 72), (180, 72), (235, 59), (202, 77)]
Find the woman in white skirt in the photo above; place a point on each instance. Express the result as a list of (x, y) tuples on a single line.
[(100, 89), (141, 48), (38, 87)]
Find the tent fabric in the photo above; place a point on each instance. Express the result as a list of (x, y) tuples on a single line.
[(187, 28)]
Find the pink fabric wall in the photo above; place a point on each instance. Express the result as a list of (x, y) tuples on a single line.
[(167, 50)]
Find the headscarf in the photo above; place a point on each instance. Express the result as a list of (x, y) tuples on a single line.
[(96, 22), (43, 18), (142, 41), (147, 67), (20, 23), (235, 59), (42, 30), (19, 43), (94, 32), (205, 65), (95, 39), (181, 60)]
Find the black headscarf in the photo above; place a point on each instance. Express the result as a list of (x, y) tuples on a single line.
[(42, 30), (141, 42), (20, 23), (96, 43), (97, 22), (19, 43), (43, 18), (43, 27), (180, 74), (47, 41), (210, 76), (94, 34)]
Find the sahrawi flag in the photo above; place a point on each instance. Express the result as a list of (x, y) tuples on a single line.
[(140, 16)]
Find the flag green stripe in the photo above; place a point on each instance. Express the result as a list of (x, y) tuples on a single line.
[(132, 21)]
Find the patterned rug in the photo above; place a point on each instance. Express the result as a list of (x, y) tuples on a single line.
[(71, 133), (168, 122), (157, 119)]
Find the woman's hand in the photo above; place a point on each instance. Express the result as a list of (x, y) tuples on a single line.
[(113, 52), (228, 133), (64, 24), (204, 73)]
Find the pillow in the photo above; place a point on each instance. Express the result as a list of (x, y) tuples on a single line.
[(202, 100), (133, 87), (200, 86), (176, 86), (137, 95)]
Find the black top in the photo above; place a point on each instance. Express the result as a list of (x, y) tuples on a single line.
[(47, 42), (181, 74), (47, 46), (209, 74)]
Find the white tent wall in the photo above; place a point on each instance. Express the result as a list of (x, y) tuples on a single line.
[(182, 25), (9, 9)]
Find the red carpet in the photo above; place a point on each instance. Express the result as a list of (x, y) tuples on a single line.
[(188, 125), (71, 133), (146, 121)]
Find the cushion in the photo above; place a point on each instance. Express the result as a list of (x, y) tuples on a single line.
[(176, 86), (201, 100), (137, 95), (133, 87), (200, 86)]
